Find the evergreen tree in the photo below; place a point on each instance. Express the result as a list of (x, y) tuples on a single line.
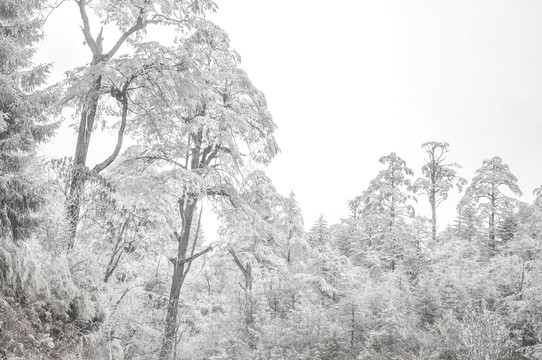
[(485, 192), (468, 222), (319, 233), (22, 116), (384, 206), (507, 228)]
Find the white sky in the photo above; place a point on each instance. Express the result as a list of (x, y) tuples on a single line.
[(349, 81)]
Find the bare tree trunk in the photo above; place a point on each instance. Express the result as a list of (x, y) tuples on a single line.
[(352, 330), (172, 312), (433, 193), (188, 209), (86, 124), (432, 200), (492, 243)]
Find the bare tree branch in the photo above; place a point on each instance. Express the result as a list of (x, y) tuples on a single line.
[(139, 25), (123, 99), (53, 7), (237, 261), (163, 158), (86, 29), (194, 257)]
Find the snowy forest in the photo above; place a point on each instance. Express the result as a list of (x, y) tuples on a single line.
[(112, 261)]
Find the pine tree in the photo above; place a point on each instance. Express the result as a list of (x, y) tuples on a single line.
[(485, 192), (469, 221), (384, 206), (319, 233), (22, 116)]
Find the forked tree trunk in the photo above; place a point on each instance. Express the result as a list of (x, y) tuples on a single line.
[(86, 124), (79, 172), (88, 114)]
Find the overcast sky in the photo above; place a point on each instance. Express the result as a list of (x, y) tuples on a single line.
[(350, 81)]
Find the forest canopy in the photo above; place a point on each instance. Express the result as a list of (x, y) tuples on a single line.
[(112, 261)]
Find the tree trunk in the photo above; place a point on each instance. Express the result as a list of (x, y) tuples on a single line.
[(177, 279), (86, 124), (88, 113), (249, 303), (492, 243), (433, 195), (432, 200), (352, 330)]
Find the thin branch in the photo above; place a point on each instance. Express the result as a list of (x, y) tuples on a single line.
[(122, 98), (123, 295), (53, 8), (117, 252), (163, 158), (237, 261), (194, 257), (139, 25), (221, 192), (157, 18)]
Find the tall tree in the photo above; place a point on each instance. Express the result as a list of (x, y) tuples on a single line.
[(131, 18), (485, 192), (389, 192), (439, 177), (386, 203), (205, 123), (23, 120)]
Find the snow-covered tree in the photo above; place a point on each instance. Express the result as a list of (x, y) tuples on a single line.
[(23, 119), (319, 234), (102, 87), (485, 193), (469, 222), (385, 205), (439, 176), (204, 123)]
